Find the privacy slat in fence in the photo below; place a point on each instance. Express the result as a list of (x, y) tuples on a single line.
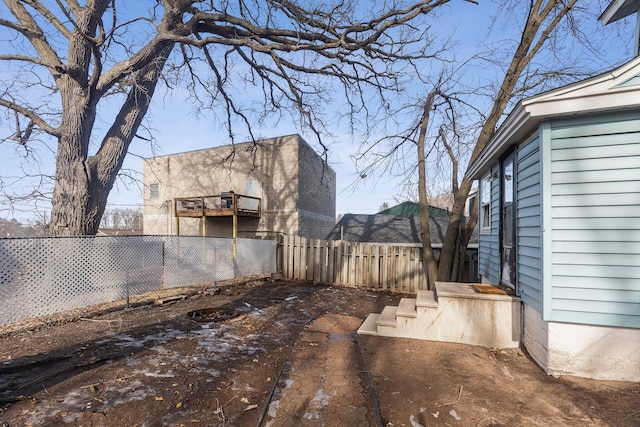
[(374, 266)]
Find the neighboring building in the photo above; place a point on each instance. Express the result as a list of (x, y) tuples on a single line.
[(560, 223), (398, 224), (277, 185), (381, 228)]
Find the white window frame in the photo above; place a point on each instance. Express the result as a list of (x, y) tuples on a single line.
[(154, 191), (485, 204)]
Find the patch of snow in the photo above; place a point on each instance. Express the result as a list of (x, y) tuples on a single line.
[(75, 401), (124, 340), (156, 374), (71, 417), (414, 423), (319, 401), (119, 394), (506, 373), (273, 410)]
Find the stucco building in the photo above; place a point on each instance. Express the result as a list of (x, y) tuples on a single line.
[(276, 185)]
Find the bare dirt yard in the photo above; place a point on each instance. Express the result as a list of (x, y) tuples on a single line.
[(277, 353)]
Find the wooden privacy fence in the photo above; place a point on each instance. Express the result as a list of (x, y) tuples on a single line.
[(369, 265)]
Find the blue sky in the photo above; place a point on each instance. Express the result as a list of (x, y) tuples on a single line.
[(176, 127)]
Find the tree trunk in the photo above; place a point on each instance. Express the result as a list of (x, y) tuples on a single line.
[(527, 48), (83, 182), (69, 207), (429, 263), (454, 230)]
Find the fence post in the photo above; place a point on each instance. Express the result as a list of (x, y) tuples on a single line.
[(162, 284), (346, 263), (331, 253), (288, 253), (339, 264), (382, 261), (375, 266), (127, 289), (279, 253)]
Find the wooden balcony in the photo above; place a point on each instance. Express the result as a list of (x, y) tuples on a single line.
[(220, 205)]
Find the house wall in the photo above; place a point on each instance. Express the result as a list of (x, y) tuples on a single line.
[(529, 223), (269, 169), (489, 242), (600, 352), (591, 199)]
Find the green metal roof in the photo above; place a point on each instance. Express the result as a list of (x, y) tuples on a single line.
[(412, 208)]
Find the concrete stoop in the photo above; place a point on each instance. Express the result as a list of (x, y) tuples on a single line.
[(453, 312)]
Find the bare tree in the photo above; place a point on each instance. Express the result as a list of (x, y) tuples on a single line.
[(542, 21), (452, 128), (127, 218), (68, 64)]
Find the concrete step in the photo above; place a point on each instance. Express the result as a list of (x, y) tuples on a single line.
[(369, 327), (387, 317), (407, 308), (426, 299)]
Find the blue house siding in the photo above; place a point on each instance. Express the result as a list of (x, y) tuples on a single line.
[(489, 242), (529, 224), (592, 203)]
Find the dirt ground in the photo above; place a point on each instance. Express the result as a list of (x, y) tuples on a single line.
[(277, 353)]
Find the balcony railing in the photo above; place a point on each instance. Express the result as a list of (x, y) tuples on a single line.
[(226, 204)]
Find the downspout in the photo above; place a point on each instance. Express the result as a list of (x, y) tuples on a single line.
[(177, 218), (235, 225)]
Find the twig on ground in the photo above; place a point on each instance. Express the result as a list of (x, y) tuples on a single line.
[(491, 420), (220, 411), (455, 401), (379, 373), (633, 415), (92, 386), (46, 391)]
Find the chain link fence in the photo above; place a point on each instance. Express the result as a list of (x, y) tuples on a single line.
[(42, 276)]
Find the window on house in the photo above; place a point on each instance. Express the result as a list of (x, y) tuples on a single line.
[(472, 199), (154, 191), (485, 204)]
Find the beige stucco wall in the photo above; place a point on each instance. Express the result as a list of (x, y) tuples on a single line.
[(274, 164), (317, 194)]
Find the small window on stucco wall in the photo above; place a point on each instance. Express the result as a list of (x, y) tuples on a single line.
[(154, 191), (485, 204)]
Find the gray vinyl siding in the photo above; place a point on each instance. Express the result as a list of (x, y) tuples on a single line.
[(488, 242), (529, 224), (593, 197)]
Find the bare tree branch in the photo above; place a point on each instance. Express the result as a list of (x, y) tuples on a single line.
[(32, 31), (42, 10), (31, 115)]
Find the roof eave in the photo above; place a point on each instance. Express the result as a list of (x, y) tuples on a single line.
[(583, 97), (518, 124), (618, 9)]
